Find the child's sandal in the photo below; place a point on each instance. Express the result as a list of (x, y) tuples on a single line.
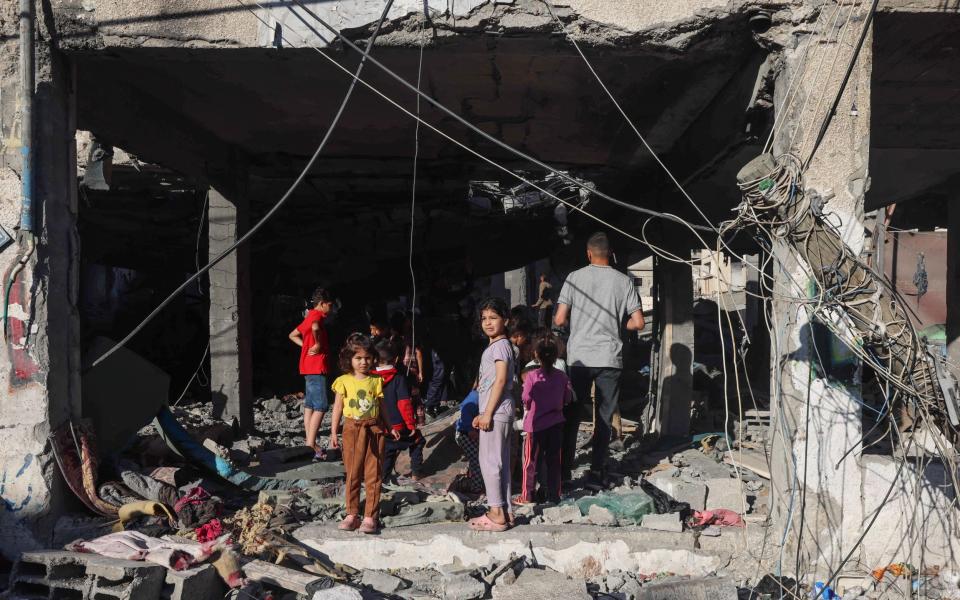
[(351, 523), (369, 526)]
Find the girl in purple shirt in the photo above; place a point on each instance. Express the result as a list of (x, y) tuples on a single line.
[(546, 390)]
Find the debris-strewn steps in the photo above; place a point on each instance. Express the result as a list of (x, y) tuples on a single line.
[(58, 575)]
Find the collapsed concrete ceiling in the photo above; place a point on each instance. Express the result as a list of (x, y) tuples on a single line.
[(201, 111)]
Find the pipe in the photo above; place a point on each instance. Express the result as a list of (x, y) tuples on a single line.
[(27, 82)]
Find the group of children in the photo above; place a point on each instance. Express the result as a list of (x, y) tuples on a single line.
[(373, 399)]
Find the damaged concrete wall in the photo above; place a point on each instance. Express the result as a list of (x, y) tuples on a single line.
[(826, 490), (39, 359)]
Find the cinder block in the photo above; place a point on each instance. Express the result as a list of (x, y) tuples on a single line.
[(714, 588), (725, 493), (201, 583), (57, 574)]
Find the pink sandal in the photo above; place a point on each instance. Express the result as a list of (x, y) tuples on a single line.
[(484, 523), (369, 526), (351, 523)]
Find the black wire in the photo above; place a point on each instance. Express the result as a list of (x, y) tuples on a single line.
[(276, 207), (484, 134), (843, 83)]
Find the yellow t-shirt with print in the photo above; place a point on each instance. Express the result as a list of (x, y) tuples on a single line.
[(361, 397)]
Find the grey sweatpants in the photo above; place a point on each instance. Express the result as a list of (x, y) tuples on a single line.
[(495, 464)]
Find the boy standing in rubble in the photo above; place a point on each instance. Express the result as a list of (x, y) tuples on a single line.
[(399, 411), (311, 336)]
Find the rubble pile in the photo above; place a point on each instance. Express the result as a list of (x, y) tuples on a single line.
[(185, 533)]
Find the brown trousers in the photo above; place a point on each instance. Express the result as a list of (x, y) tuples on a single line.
[(363, 442)]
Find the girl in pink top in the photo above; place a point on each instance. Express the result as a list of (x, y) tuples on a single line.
[(546, 390)]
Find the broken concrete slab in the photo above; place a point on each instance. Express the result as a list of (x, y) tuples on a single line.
[(542, 584), (598, 515), (463, 586), (664, 522), (59, 574), (121, 395), (200, 583), (573, 549), (725, 493), (565, 513), (714, 588), (338, 592), (694, 494), (381, 581)]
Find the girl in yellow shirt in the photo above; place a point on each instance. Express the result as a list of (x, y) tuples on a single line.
[(359, 396)]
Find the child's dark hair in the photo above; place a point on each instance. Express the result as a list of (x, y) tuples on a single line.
[(380, 323), (355, 343), (495, 305), (321, 294), (546, 348), (388, 350)]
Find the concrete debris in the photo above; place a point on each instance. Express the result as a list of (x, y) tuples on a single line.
[(695, 589), (381, 581), (58, 574), (564, 513), (598, 515), (463, 586), (725, 493), (542, 584), (338, 592), (665, 522), (199, 583)]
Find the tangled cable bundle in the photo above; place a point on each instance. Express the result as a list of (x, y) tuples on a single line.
[(849, 291)]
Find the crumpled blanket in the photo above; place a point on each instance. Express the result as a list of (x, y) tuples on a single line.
[(197, 508), (133, 545), (146, 487), (717, 516)]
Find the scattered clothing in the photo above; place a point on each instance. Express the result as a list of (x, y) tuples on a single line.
[(209, 531), (426, 512), (197, 508), (147, 487), (361, 397), (133, 545), (717, 516)]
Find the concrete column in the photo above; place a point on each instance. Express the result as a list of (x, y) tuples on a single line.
[(953, 282), (39, 359), (231, 367), (676, 348), (817, 491)]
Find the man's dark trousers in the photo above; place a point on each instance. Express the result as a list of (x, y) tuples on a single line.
[(608, 398)]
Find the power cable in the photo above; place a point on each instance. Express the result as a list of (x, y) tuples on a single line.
[(276, 207), (413, 204), (452, 114), (475, 153)]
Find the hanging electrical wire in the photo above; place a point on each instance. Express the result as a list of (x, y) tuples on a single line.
[(273, 210)]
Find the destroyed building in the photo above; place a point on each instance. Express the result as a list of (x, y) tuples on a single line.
[(478, 145)]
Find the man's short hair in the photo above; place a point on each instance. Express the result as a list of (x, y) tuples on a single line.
[(599, 244)]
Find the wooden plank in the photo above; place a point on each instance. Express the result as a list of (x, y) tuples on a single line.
[(752, 460), (288, 579)]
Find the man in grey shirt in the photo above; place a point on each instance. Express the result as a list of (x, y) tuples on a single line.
[(594, 301)]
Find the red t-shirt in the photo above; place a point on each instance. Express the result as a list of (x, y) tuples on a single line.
[(318, 364)]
